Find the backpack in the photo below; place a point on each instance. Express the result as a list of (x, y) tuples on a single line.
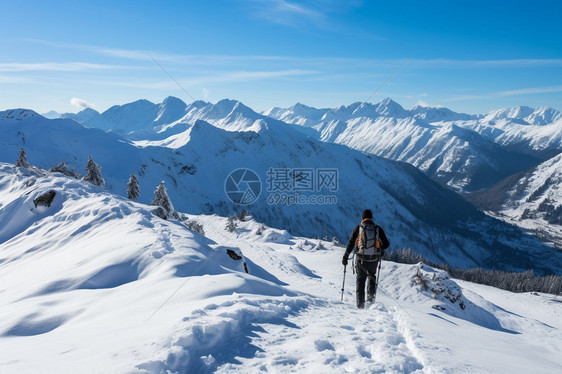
[(368, 241)]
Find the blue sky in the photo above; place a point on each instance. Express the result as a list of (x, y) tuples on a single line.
[(470, 56)]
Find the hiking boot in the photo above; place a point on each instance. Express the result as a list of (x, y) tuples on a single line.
[(370, 299)]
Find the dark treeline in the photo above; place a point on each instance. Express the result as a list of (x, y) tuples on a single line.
[(511, 281)]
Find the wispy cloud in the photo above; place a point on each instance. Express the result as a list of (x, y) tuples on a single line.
[(498, 94), (205, 60), (8, 79), (229, 77), (287, 13), (300, 13), (508, 63), (80, 104), (55, 66), (530, 91)]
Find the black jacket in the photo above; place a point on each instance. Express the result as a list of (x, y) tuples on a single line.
[(353, 239)]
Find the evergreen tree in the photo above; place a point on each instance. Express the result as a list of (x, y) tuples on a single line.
[(133, 189), (162, 200), (94, 173), (63, 169), (22, 160), (231, 223)]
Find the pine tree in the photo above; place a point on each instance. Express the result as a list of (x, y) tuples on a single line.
[(133, 189), (94, 173), (231, 223), (162, 200), (22, 160)]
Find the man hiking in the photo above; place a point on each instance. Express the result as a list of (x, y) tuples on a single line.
[(370, 242)]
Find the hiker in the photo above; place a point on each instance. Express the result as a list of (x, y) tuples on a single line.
[(369, 242)]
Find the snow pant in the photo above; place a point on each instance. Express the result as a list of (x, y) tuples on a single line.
[(366, 272)]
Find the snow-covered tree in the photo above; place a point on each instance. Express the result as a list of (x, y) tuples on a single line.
[(231, 223), (133, 189), (22, 160), (94, 174), (63, 169), (162, 200), (243, 214)]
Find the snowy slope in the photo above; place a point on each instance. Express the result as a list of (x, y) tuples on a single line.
[(543, 141), (532, 200), (80, 279), (96, 283), (525, 115), (418, 212)]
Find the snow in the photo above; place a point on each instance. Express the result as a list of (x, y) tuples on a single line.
[(489, 148), (521, 203), (96, 283)]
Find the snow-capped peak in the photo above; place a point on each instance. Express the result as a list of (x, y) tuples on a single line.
[(170, 110), (517, 112), (543, 116), (439, 113), (172, 100), (390, 108), (537, 117)]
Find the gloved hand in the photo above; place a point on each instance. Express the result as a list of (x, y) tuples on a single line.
[(344, 260)]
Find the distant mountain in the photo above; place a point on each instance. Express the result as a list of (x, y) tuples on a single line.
[(432, 139), (541, 141), (526, 115), (51, 114), (138, 115), (298, 114), (82, 116), (415, 211), (438, 114)]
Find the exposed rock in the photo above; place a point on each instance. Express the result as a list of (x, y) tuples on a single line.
[(45, 200)]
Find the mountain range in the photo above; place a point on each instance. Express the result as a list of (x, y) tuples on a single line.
[(194, 154)]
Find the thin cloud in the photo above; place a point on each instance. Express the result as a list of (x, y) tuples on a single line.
[(529, 91), (467, 98), (7, 79), (230, 77), (205, 60), (80, 104), (301, 13), (287, 13), (55, 66), (512, 63), (497, 94)]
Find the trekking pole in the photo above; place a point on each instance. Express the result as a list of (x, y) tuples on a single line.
[(377, 280), (343, 285)]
